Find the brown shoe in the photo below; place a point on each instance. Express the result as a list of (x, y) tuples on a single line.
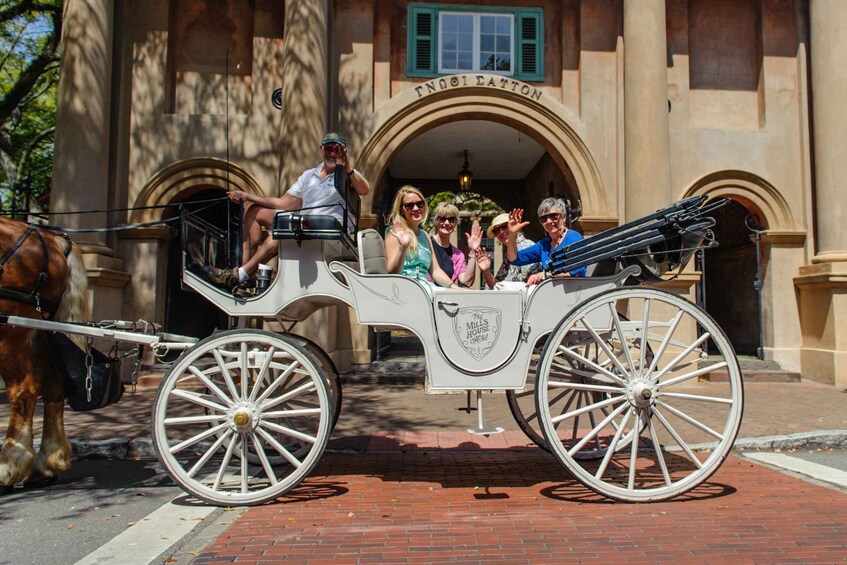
[(222, 278)]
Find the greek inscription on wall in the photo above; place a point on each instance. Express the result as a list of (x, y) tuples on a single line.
[(487, 81)]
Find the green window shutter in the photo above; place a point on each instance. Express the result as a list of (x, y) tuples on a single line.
[(530, 44), (423, 40)]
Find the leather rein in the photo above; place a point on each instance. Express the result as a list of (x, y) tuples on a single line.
[(33, 298)]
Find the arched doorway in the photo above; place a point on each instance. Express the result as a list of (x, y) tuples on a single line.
[(730, 279), (186, 312)]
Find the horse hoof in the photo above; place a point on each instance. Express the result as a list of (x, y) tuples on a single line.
[(40, 482)]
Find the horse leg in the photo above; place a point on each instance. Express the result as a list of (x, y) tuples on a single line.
[(17, 453), (54, 455)]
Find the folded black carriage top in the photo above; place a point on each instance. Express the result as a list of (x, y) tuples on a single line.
[(658, 243)]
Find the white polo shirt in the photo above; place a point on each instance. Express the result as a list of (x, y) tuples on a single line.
[(319, 196)]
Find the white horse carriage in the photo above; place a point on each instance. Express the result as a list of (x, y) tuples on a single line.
[(602, 375), (600, 371)]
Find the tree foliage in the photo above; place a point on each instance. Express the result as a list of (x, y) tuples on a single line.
[(29, 73)]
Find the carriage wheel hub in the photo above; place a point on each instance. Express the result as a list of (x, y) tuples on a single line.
[(243, 417), (641, 394)]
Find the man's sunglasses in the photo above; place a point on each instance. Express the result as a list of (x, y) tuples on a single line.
[(448, 219), (412, 205), (551, 216), (496, 231)]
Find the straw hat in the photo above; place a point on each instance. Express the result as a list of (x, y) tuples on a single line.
[(501, 219)]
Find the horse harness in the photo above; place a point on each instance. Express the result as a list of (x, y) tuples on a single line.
[(33, 298)]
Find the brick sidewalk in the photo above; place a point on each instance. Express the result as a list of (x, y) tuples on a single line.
[(518, 506)]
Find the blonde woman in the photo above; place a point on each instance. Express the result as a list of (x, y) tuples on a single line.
[(449, 257), (408, 250)]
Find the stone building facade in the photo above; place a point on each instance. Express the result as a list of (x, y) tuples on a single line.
[(631, 104)]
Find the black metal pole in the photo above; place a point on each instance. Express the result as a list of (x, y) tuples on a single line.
[(750, 222)]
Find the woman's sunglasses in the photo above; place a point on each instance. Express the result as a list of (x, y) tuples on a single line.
[(496, 231), (412, 205), (448, 219), (551, 216)]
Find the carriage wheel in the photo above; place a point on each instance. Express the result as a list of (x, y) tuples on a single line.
[(680, 430), (242, 417), (523, 406)]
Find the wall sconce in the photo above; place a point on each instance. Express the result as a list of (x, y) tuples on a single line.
[(465, 176)]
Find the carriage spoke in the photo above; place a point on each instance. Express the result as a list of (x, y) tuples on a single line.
[(210, 385), (302, 389), (692, 374), (244, 468), (657, 447), (613, 445), (624, 343), (230, 384), (596, 430), (199, 437), (266, 465), (693, 421), (175, 421), (665, 342), (269, 356), (633, 451), (280, 380), (225, 462), (644, 331), (697, 397), (279, 447), (288, 431), (586, 387), (592, 364), (209, 453), (601, 343), (291, 413), (199, 399), (590, 407), (679, 441), (696, 343)]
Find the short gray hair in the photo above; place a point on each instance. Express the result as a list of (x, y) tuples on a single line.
[(549, 203)]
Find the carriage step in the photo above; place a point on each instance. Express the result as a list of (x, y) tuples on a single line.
[(481, 430)]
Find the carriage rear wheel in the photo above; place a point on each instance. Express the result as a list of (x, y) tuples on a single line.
[(242, 417), (524, 409), (661, 431)]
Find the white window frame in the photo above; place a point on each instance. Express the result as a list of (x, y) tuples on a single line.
[(476, 42)]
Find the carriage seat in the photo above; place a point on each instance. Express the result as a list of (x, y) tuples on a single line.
[(371, 253), (290, 225)]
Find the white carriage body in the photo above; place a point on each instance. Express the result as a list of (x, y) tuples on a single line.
[(472, 340)]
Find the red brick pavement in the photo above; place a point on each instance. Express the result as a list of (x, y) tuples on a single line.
[(450, 506)]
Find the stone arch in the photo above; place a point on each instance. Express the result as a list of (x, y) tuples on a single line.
[(546, 120), (757, 194), (177, 180)]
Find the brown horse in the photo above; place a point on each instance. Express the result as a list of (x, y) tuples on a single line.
[(24, 360)]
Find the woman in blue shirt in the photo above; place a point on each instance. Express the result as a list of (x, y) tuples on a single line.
[(551, 213)]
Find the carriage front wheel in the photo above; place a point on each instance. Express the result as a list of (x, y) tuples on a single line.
[(242, 417), (652, 389)]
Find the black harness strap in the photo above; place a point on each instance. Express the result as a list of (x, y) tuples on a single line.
[(33, 298)]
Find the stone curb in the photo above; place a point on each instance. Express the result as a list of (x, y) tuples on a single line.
[(142, 447)]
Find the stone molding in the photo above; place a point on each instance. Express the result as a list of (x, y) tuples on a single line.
[(171, 182)]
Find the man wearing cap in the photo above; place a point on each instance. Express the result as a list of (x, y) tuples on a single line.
[(499, 230), (314, 192)]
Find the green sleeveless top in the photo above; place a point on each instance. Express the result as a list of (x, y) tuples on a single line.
[(417, 266)]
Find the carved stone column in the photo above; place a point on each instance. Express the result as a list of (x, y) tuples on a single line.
[(82, 151), (822, 285), (646, 136)]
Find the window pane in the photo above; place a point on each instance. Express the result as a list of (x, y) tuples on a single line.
[(465, 42), (503, 43), (449, 22), (465, 61), (504, 64), (465, 23), (486, 61), (448, 60), (486, 24), (448, 42), (504, 25), (486, 43)]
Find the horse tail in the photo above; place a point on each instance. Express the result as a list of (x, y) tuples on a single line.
[(74, 306)]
